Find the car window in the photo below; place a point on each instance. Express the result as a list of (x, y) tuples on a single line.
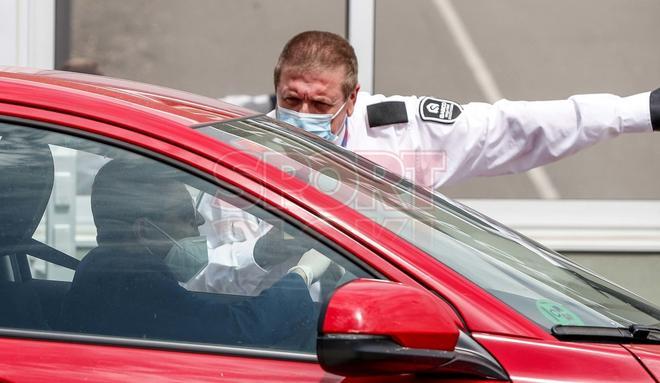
[(99, 240), (537, 282)]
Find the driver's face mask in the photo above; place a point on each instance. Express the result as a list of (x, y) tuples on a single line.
[(187, 257)]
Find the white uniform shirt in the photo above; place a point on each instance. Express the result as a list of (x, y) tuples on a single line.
[(435, 142), (442, 142)]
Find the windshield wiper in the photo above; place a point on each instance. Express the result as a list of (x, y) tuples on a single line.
[(632, 334), (649, 333)]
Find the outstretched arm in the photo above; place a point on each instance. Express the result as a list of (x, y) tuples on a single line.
[(515, 136)]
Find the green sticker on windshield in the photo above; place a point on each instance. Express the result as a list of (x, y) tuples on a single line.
[(557, 313)]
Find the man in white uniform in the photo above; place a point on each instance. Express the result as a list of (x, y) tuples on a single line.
[(437, 140), (428, 140)]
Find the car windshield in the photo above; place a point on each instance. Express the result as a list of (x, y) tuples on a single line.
[(536, 281)]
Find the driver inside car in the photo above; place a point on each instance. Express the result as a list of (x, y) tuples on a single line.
[(148, 245)]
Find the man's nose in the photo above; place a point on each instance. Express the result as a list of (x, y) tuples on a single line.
[(305, 107)]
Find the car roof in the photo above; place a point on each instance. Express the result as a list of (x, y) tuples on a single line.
[(57, 89)]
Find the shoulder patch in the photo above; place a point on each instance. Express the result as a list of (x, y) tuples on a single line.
[(387, 113), (437, 110)]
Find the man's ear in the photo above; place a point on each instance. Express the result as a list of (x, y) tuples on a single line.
[(352, 98)]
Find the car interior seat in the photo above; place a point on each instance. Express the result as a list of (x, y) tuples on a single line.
[(26, 182)]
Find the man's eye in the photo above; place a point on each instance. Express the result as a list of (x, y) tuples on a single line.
[(322, 106)]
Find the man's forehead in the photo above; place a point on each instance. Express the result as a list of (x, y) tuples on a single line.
[(321, 82), (324, 76)]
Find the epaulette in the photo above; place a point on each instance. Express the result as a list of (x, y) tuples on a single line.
[(387, 113)]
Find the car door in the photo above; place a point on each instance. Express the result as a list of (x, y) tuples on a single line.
[(76, 313)]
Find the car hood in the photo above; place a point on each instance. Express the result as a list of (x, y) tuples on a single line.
[(649, 356)]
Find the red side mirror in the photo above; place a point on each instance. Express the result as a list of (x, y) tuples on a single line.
[(412, 317), (372, 326)]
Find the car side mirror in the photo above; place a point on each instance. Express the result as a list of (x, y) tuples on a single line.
[(373, 327)]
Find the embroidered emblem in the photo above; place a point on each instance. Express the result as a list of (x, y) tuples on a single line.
[(437, 110)]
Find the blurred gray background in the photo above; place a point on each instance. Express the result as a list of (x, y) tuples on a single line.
[(543, 49)]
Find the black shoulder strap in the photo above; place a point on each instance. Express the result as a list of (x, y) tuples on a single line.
[(49, 254), (387, 113)]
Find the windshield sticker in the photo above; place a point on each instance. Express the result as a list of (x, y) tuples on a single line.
[(557, 313)]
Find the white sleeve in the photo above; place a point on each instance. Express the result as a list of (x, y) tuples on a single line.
[(231, 270), (231, 236), (514, 136), (225, 223)]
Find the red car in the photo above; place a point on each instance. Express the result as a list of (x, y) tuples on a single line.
[(102, 179)]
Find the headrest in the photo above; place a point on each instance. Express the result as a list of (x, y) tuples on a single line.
[(26, 181)]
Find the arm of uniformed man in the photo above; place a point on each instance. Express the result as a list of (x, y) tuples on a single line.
[(447, 142)]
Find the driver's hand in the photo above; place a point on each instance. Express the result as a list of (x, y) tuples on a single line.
[(277, 246), (311, 266)]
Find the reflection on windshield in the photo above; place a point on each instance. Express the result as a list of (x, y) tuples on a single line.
[(537, 282)]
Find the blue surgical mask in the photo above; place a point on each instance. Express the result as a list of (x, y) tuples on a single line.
[(187, 256), (319, 124)]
